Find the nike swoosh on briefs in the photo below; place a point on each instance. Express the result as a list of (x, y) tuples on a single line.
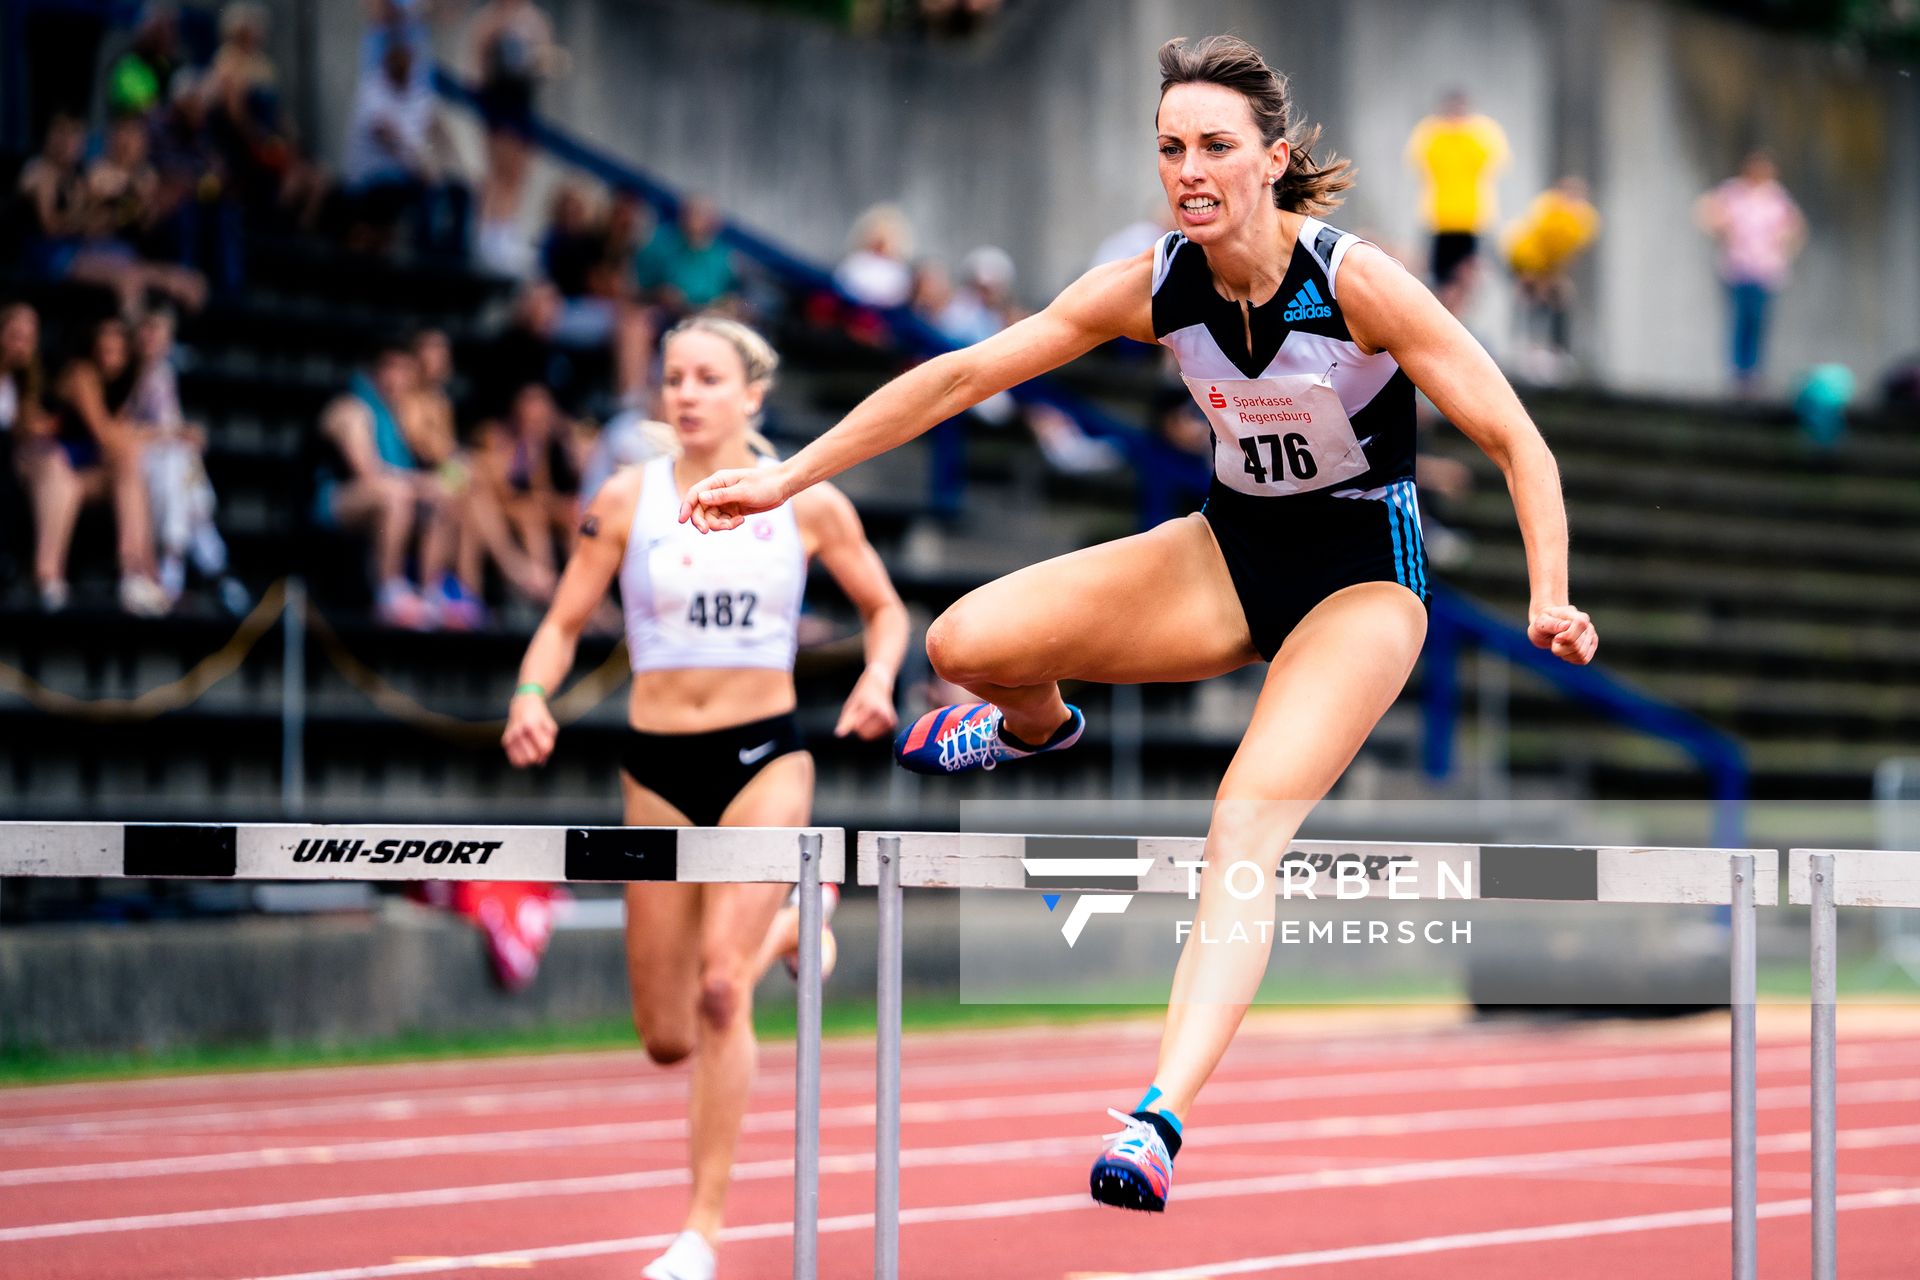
[(757, 754)]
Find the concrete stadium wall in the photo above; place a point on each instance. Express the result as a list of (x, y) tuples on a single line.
[(1036, 137)]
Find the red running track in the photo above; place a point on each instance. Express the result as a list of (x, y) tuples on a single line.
[(1336, 1147)]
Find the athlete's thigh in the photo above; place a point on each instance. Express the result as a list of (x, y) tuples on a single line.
[(663, 923), (1334, 677), (1159, 605), (779, 795), (738, 916)]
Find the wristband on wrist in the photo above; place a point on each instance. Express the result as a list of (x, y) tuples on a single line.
[(537, 690)]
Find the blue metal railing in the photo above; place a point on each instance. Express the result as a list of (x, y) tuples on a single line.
[(1456, 622)]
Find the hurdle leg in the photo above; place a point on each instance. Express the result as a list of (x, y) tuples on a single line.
[(886, 1150), (806, 1071), (1745, 1154), (1825, 1034)]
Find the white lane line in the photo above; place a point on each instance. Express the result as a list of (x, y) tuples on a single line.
[(1379, 1175), (1706, 1064), (1527, 1115), (921, 1048), (1327, 1085), (1672, 1066), (928, 1052), (1514, 1235), (491, 1099)]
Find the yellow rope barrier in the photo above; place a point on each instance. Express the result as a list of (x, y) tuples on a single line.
[(592, 689), (171, 696)]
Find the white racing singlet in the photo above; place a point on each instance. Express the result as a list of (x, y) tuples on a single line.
[(1280, 434), (696, 600), (1301, 407)]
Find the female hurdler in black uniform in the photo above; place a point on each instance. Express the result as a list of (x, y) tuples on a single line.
[(1303, 346)]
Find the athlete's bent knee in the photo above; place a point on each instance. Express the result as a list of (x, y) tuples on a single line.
[(961, 649), (666, 1051), (723, 1000), (666, 1040)]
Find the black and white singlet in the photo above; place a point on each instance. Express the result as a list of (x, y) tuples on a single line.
[(1313, 438)]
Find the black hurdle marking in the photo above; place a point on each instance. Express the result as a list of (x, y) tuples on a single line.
[(196, 852), (1539, 874), (622, 853)]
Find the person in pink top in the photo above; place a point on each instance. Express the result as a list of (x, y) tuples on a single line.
[(1760, 230)]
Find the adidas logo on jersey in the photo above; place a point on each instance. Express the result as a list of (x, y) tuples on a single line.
[(1307, 305)]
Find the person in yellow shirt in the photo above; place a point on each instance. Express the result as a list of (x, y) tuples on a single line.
[(1540, 249), (1458, 153)]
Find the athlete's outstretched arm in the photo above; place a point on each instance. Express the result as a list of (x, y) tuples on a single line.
[(531, 729), (841, 546), (1387, 309), (1110, 301)]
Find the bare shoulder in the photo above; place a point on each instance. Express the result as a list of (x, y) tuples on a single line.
[(1115, 297), (825, 514), (1377, 295), (609, 517), (346, 413)]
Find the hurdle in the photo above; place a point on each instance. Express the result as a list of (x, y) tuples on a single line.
[(554, 855), (894, 861), (1826, 879)]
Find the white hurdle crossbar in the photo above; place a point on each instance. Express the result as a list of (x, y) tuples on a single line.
[(1739, 878), (1825, 879), (617, 855)]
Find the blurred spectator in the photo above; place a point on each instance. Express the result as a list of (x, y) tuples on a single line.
[(205, 219), (1458, 153), (393, 169), (957, 17), (269, 174), (85, 449), (984, 303), (21, 386), (524, 352), (1821, 404), (513, 49), (391, 22), (532, 463), (427, 421), (628, 439), (368, 480), (1761, 231), (173, 460), (875, 272), (1067, 448), (1541, 248), (1136, 237), (932, 290), (574, 243), (982, 306), (1181, 457), (625, 229), (123, 184), (1901, 388), (684, 267), (139, 79), (72, 218), (597, 310), (501, 243)]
